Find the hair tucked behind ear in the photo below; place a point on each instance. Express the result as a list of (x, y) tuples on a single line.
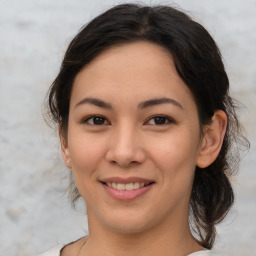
[(212, 195), (198, 62)]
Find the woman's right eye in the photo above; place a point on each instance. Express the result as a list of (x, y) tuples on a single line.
[(95, 120)]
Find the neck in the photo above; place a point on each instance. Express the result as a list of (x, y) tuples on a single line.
[(170, 239)]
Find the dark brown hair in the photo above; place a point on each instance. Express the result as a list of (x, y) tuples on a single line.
[(198, 62)]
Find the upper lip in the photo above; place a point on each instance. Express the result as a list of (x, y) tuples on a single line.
[(126, 180)]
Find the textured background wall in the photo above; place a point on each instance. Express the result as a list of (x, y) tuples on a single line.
[(34, 212)]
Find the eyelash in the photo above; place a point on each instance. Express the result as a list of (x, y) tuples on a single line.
[(94, 117), (167, 120)]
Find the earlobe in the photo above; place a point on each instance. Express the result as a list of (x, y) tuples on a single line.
[(212, 139), (65, 150)]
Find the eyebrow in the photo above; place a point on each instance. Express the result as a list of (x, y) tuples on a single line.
[(145, 104), (153, 102), (96, 102)]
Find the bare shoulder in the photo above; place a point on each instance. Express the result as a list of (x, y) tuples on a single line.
[(73, 248)]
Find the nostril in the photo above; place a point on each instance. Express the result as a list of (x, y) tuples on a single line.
[(127, 163), (134, 163)]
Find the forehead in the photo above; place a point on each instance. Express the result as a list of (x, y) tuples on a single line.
[(144, 50), (140, 56), (137, 70)]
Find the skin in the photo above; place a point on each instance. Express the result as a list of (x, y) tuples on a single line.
[(131, 141)]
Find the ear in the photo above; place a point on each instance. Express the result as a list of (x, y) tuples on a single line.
[(212, 139), (64, 149)]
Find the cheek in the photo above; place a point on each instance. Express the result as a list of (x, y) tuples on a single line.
[(86, 153), (176, 161), (175, 150), (175, 157)]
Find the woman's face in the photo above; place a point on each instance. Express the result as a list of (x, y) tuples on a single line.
[(133, 138)]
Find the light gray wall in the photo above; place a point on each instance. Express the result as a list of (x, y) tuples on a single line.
[(34, 212)]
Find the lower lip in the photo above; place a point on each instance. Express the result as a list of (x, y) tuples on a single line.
[(127, 195)]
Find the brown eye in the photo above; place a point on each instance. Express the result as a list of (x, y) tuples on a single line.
[(159, 120), (96, 120)]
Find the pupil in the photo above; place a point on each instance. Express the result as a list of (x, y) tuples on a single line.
[(160, 120), (98, 120)]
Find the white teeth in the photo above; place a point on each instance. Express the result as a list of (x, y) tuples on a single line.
[(137, 185), (120, 186), (128, 186)]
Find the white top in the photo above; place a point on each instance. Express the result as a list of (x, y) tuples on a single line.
[(56, 252)]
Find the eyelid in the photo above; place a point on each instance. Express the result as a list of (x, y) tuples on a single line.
[(170, 120), (86, 119), (106, 122)]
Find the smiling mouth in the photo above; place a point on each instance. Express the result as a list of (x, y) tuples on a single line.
[(127, 186), (126, 189)]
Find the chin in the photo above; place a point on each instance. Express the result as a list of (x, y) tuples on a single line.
[(129, 223), (129, 227)]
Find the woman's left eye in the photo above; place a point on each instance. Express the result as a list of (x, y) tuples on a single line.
[(159, 120)]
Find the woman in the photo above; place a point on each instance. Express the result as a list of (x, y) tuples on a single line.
[(146, 124)]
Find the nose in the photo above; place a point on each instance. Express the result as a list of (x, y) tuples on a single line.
[(125, 149)]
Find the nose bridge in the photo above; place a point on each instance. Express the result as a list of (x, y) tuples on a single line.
[(125, 147)]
